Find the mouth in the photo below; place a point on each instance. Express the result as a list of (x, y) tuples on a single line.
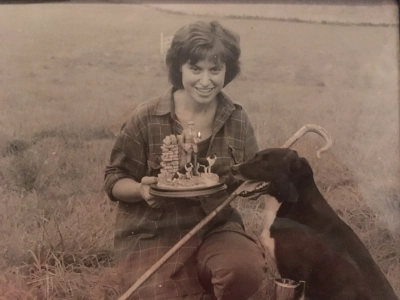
[(257, 190), (205, 91)]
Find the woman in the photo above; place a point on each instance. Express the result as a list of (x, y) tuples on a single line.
[(222, 260)]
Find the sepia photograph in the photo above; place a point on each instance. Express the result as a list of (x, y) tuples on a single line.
[(199, 150)]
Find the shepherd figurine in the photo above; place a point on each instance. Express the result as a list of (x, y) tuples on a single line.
[(188, 141)]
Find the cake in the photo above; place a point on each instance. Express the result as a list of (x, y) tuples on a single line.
[(181, 168)]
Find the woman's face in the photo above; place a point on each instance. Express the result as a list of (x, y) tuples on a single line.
[(203, 80)]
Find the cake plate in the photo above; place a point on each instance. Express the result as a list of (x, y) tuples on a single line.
[(186, 192)]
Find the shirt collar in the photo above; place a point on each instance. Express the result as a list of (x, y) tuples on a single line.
[(165, 104)]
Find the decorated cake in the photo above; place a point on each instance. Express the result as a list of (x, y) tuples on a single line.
[(181, 168)]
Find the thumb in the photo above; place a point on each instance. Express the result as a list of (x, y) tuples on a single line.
[(148, 180)]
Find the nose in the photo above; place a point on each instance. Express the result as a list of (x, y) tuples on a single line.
[(205, 79), (235, 169)]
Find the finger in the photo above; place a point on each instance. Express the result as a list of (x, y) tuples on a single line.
[(152, 203), (149, 180), (146, 193)]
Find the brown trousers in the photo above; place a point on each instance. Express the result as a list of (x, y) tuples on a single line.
[(230, 265)]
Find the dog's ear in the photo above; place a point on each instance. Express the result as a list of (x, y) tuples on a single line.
[(297, 166), (292, 161), (285, 190)]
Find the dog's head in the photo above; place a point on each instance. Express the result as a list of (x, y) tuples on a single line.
[(213, 157), (281, 167), (188, 167)]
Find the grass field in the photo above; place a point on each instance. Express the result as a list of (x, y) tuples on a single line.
[(319, 12), (71, 73)]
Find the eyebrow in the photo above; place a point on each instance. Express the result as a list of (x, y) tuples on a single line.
[(214, 67)]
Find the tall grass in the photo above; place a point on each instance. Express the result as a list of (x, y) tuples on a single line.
[(71, 74)]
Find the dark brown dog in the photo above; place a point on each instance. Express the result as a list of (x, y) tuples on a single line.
[(306, 237)]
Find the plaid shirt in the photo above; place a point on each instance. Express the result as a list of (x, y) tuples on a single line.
[(144, 234)]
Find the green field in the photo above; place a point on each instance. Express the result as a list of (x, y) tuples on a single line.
[(70, 74)]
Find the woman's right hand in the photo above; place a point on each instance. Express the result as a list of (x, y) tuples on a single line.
[(144, 191)]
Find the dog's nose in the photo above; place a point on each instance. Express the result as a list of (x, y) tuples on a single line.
[(235, 169)]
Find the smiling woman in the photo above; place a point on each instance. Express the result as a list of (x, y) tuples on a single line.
[(222, 261)]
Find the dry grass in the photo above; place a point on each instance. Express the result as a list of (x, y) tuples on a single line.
[(70, 74)]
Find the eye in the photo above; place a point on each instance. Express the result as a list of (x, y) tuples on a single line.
[(195, 69), (216, 71)]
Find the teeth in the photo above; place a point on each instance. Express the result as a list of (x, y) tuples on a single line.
[(261, 185), (204, 90), (258, 187)]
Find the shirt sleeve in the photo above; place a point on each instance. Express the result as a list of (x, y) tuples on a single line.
[(249, 148), (250, 141), (128, 156)]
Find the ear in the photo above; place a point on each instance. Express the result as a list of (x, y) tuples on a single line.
[(292, 161), (298, 167), (302, 169), (285, 190)]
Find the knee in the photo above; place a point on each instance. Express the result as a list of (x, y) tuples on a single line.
[(231, 265), (240, 280)]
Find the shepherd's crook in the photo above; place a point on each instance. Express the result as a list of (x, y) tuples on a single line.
[(310, 128), (242, 189)]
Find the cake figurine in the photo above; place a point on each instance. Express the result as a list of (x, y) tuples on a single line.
[(169, 157), (188, 140), (180, 163), (207, 163)]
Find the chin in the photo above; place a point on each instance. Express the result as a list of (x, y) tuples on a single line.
[(205, 100)]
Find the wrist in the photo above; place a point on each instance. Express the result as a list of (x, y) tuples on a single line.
[(127, 190)]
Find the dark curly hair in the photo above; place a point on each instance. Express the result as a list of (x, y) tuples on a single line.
[(200, 41)]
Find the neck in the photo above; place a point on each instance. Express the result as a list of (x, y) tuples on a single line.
[(185, 103)]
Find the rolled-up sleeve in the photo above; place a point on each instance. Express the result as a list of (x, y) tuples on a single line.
[(128, 155)]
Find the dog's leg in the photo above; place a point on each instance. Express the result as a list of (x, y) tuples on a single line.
[(270, 210)]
